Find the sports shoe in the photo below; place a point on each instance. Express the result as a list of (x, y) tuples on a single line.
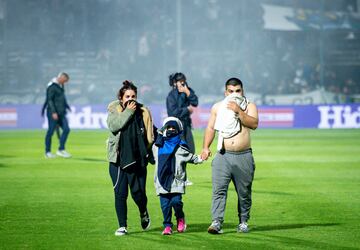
[(188, 183), (63, 153), (121, 231), (181, 226), (167, 231), (243, 228), (49, 155), (145, 221), (215, 228)]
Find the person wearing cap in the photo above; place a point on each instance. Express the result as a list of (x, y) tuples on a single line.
[(171, 155), (56, 107), (234, 159)]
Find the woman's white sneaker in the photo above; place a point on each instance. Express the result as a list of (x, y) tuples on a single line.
[(121, 231)]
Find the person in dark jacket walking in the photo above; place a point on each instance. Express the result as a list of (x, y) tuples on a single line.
[(56, 107), (180, 103)]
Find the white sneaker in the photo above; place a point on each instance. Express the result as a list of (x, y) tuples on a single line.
[(121, 231), (188, 183), (63, 153), (215, 228), (243, 228), (49, 155)]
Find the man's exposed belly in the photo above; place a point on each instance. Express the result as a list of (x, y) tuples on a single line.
[(238, 142)]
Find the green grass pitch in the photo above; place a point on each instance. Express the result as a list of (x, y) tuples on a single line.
[(306, 195)]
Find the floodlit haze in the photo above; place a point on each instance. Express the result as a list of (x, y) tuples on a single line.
[(275, 47)]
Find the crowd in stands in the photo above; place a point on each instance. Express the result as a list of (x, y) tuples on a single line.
[(146, 40)]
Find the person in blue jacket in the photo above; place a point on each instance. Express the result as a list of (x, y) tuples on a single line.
[(180, 103)]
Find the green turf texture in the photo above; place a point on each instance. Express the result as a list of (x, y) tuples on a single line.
[(306, 195)]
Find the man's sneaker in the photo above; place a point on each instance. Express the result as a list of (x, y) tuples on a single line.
[(145, 221), (167, 231), (243, 228), (121, 231), (181, 226), (63, 153), (215, 228), (49, 155)]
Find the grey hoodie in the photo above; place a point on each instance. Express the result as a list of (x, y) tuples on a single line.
[(182, 156)]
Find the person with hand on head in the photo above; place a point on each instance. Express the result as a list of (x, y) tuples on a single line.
[(180, 103), (233, 118), (56, 107), (129, 151)]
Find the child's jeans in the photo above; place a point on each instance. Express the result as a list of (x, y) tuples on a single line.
[(169, 201)]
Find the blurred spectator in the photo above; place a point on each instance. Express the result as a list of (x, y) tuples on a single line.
[(141, 40)]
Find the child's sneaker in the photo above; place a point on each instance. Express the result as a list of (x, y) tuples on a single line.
[(181, 226), (167, 231), (121, 231), (243, 228), (215, 228)]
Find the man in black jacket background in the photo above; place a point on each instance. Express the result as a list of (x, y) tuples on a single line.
[(56, 106)]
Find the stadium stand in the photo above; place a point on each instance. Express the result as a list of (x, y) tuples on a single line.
[(209, 40)]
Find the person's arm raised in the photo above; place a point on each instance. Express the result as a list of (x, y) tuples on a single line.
[(117, 118), (249, 118)]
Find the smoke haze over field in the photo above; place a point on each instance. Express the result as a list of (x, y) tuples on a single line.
[(274, 46)]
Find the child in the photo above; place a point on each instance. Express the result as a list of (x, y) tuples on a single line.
[(171, 155)]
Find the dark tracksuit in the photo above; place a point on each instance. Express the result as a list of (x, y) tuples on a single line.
[(56, 103), (133, 177), (177, 105)]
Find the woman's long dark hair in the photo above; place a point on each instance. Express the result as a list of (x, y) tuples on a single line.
[(127, 85)]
